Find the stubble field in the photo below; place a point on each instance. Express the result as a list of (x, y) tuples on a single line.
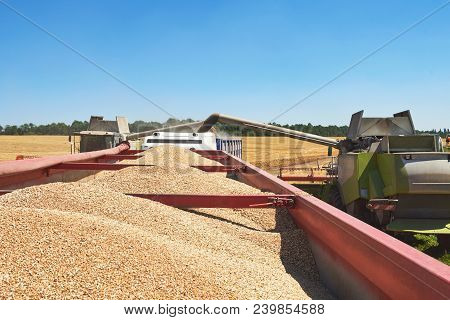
[(269, 153), (272, 153), (11, 146)]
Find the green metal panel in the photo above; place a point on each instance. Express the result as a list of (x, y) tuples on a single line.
[(349, 187), (393, 173), (376, 185), (348, 177), (376, 175), (431, 226), (365, 182)]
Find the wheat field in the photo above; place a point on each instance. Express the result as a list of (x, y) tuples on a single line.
[(11, 146), (269, 153), (272, 153)]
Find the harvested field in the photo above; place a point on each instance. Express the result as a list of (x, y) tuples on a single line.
[(86, 240), (272, 153), (269, 153), (11, 146)]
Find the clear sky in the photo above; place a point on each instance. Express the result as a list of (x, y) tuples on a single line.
[(252, 59)]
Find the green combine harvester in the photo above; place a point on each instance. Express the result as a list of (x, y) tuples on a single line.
[(385, 173), (392, 177)]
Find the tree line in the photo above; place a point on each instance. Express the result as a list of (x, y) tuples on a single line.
[(56, 129), (61, 128), (325, 131)]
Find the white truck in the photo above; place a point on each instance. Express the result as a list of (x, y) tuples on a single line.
[(193, 140)]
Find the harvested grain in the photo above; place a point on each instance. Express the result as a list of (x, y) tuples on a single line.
[(187, 181), (89, 240), (179, 178), (172, 156), (170, 180), (120, 247)]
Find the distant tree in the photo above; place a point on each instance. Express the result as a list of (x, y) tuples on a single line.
[(171, 122), (78, 126), (11, 130), (140, 126), (26, 128)]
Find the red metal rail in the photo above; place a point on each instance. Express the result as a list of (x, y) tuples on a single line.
[(18, 174), (27, 156), (26, 165), (215, 201), (95, 166), (220, 201), (354, 259), (120, 157), (218, 156), (224, 168), (119, 166), (131, 152), (305, 178)]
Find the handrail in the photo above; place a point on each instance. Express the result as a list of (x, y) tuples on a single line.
[(26, 165)]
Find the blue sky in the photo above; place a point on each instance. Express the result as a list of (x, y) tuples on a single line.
[(252, 59)]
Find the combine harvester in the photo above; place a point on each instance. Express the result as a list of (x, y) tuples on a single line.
[(385, 174), (104, 134), (375, 167)]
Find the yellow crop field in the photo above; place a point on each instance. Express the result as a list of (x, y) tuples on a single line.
[(11, 146), (269, 153)]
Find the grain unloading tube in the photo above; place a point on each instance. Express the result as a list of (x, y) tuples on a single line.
[(221, 118), (206, 125)]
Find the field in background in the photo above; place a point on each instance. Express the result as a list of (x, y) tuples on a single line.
[(266, 152), (11, 146), (271, 153)]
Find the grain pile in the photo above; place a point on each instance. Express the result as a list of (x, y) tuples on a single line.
[(186, 180), (170, 180), (87, 241), (175, 176), (172, 156)]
